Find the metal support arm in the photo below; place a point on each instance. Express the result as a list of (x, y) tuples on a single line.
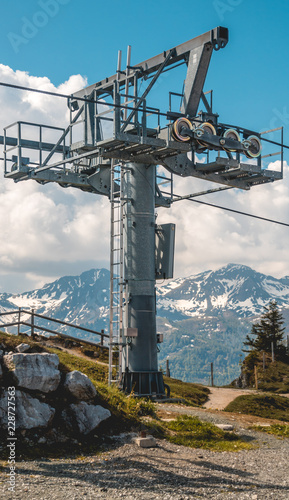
[(217, 38)]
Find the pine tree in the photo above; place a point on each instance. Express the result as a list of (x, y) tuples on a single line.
[(269, 329)]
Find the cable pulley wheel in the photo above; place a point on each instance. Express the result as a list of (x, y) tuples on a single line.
[(255, 147), (179, 128), (231, 133), (206, 128)]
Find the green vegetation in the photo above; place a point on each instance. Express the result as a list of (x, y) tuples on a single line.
[(279, 430), (269, 406), (69, 362), (128, 413), (193, 344), (192, 394), (190, 431), (275, 376), (272, 372), (11, 341), (267, 332)]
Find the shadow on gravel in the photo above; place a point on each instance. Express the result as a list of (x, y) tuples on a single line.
[(148, 474)]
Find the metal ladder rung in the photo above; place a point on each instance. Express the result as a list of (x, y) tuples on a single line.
[(116, 262)]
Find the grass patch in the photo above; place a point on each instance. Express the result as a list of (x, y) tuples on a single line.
[(279, 430), (69, 362), (275, 377), (12, 341), (271, 406), (193, 394), (127, 412), (190, 431)]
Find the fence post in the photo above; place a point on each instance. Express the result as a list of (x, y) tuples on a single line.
[(272, 347), (168, 372), (101, 338), (19, 318), (212, 374), (32, 323), (256, 377)]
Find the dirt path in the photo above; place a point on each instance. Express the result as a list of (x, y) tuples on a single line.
[(220, 397), (76, 352)]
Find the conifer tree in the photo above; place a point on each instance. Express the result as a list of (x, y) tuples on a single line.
[(269, 329)]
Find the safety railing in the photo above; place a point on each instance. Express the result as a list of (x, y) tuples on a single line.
[(18, 321)]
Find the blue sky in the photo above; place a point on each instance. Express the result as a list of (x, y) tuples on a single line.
[(58, 38), (64, 44)]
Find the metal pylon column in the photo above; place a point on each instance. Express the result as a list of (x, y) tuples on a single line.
[(116, 271), (140, 365)]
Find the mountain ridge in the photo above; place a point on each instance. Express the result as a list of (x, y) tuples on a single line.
[(204, 317), (233, 287)]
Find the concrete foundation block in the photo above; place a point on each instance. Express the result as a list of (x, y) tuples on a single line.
[(146, 442)]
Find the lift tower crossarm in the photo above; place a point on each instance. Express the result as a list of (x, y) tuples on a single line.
[(215, 39)]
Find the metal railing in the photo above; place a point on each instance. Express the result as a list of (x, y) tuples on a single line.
[(33, 326)]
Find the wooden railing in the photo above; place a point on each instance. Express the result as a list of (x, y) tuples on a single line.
[(33, 326)]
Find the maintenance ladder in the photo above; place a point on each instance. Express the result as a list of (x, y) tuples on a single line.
[(117, 285)]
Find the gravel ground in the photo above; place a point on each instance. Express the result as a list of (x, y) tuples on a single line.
[(167, 472)]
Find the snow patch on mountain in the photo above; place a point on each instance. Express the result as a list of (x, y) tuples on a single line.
[(84, 299)]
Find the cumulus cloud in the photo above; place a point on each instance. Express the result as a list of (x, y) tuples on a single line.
[(207, 238), (48, 231)]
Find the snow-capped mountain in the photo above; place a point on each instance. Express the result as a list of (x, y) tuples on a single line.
[(234, 288), (85, 298), (204, 318)]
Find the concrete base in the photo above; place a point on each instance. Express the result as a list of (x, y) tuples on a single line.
[(146, 442), (143, 384)]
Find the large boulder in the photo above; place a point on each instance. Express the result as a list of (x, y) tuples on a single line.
[(85, 417), (80, 386), (34, 371), (30, 413)]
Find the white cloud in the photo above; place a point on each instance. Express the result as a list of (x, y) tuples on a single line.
[(207, 238), (48, 231)]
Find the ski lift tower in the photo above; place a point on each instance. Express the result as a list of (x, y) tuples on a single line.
[(119, 146)]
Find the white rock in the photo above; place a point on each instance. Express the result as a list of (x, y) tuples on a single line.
[(80, 386), (85, 416), (34, 371), (30, 413), (225, 427), (22, 347)]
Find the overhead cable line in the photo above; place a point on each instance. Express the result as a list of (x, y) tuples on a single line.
[(104, 103), (232, 210), (71, 96)]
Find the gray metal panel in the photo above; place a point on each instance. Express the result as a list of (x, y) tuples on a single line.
[(197, 70), (139, 268), (165, 248)]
